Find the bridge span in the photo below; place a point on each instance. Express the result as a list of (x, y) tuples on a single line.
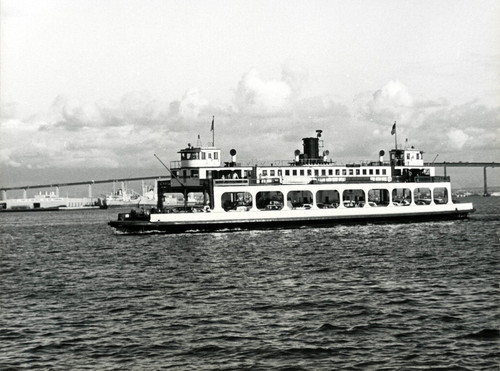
[(57, 185), (3, 190), (484, 165)]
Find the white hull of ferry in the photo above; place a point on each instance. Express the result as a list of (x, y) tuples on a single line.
[(269, 219), (218, 219)]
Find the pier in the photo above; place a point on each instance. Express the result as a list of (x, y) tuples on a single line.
[(57, 186)]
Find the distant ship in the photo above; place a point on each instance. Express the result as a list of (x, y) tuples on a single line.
[(123, 197)]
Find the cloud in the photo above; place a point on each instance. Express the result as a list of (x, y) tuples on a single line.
[(392, 102), (457, 138), (266, 119), (260, 98)]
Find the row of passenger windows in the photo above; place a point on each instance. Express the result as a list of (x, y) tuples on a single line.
[(323, 172), (275, 200)]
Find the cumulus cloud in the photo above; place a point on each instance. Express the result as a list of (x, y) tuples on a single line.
[(257, 97), (392, 102), (266, 119), (457, 138)]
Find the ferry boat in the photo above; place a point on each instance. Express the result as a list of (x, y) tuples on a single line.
[(310, 189)]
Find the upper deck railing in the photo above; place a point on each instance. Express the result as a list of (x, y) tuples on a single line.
[(328, 180)]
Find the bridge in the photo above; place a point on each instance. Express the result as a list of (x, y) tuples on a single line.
[(484, 165), (3, 190)]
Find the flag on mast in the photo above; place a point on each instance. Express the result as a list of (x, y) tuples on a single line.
[(212, 129), (393, 131)]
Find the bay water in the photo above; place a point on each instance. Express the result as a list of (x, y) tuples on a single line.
[(75, 295)]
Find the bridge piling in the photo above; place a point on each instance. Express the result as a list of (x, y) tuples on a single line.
[(485, 182)]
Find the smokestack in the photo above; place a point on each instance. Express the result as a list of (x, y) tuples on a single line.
[(381, 155), (233, 155)]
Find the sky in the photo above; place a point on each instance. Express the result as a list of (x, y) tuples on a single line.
[(92, 89)]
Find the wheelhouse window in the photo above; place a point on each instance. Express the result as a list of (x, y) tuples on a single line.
[(216, 155)]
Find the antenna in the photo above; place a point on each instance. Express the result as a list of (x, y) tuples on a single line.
[(170, 171), (435, 158), (175, 177)]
